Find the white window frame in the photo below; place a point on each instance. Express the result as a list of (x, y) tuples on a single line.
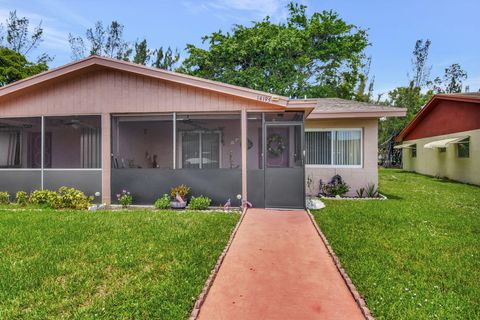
[(355, 166), (200, 133)]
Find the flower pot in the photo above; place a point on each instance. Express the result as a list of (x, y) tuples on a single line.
[(178, 205)]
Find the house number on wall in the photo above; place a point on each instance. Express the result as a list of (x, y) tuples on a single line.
[(264, 98)]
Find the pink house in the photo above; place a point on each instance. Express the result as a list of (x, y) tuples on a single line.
[(102, 125)]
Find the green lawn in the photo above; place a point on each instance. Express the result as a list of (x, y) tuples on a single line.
[(106, 265), (416, 255)]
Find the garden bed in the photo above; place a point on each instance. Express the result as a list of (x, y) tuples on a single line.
[(380, 197)]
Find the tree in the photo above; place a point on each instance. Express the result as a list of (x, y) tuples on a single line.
[(102, 41), (109, 42), (166, 60), (14, 66), (17, 36), (421, 71), (452, 81), (412, 97), (313, 56), (142, 53)]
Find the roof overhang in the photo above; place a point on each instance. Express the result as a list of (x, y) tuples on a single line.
[(357, 114), (405, 146), (444, 142)]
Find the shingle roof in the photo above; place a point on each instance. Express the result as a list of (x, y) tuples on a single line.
[(342, 106)]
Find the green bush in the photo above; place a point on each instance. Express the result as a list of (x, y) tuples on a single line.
[(163, 202), (199, 203), (71, 198), (21, 198), (65, 198), (47, 198), (4, 197)]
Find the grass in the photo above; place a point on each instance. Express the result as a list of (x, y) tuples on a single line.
[(416, 255), (106, 265)]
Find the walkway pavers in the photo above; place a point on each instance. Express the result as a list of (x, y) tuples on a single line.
[(278, 268)]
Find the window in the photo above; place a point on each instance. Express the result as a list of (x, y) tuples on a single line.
[(463, 148), (200, 149), (336, 147), (442, 150), (414, 151)]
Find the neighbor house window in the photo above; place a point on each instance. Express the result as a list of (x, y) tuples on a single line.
[(334, 147), (463, 148), (414, 151)]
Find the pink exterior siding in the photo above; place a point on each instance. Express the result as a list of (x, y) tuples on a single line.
[(109, 91)]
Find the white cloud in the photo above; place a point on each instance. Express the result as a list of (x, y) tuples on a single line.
[(239, 9)]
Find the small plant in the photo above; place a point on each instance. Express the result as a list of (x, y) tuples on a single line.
[(125, 198), (336, 187), (4, 197), (21, 198), (182, 190), (71, 198), (372, 191), (199, 203), (47, 198), (361, 192), (163, 202)]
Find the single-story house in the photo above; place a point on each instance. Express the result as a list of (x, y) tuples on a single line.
[(103, 125), (443, 139)]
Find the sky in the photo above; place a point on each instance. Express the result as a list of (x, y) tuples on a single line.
[(393, 27)]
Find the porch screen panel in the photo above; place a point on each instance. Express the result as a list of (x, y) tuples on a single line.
[(20, 143), (347, 147), (72, 142), (318, 146)]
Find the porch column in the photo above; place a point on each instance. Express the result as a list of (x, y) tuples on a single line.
[(244, 152), (106, 158)]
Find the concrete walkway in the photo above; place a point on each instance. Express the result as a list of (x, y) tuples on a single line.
[(278, 268)]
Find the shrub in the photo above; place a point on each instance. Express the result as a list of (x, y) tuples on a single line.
[(46, 198), (4, 197), (182, 190), (125, 198), (372, 191), (361, 192), (71, 198), (21, 198), (336, 187), (199, 203), (163, 202)]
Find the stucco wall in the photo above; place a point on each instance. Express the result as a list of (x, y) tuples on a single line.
[(445, 164), (354, 177)]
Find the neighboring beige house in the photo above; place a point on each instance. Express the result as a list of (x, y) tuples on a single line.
[(443, 140), (102, 125)]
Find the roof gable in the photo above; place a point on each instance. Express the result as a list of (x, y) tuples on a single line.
[(443, 114), (94, 61)]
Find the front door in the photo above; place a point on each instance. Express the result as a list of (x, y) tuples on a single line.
[(284, 165)]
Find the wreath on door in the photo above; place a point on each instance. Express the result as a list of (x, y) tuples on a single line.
[(275, 145)]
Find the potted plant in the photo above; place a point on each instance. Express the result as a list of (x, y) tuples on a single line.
[(179, 194)]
